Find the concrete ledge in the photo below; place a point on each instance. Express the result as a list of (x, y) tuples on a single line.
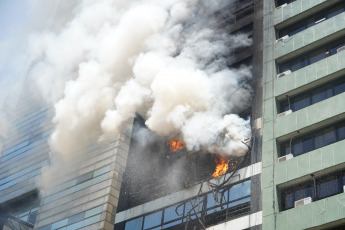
[(310, 118), (310, 76), (329, 211), (243, 222), (310, 38)]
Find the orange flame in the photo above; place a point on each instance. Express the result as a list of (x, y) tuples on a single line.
[(176, 145), (222, 166)]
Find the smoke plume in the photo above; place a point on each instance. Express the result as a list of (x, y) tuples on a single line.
[(165, 60)]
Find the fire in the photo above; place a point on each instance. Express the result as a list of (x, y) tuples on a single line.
[(176, 145), (222, 166)]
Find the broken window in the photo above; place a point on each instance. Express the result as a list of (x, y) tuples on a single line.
[(154, 170)]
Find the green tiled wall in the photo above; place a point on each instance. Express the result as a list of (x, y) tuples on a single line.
[(310, 115), (309, 74), (313, 214), (310, 162), (293, 9), (275, 174)]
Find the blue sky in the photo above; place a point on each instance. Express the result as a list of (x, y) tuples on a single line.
[(15, 19)]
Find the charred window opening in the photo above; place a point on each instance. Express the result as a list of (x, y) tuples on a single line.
[(282, 2), (21, 213), (235, 12), (158, 168), (245, 12)]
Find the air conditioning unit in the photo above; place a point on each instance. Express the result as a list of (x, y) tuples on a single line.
[(281, 6), (341, 49), (283, 114), (282, 38), (303, 201), (284, 73), (285, 158)]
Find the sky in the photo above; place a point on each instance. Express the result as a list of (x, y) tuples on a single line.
[(18, 19), (14, 24)]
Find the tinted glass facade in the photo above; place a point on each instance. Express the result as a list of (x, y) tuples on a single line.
[(228, 203), (311, 137)]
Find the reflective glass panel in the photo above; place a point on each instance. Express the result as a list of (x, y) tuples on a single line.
[(135, 224), (153, 220), (328, 186), (170, 213)]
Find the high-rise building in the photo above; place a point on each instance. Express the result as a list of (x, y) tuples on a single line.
[(117, 185), (153, 198), (303, 118)]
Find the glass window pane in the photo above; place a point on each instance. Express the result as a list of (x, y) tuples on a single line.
[(153, 220), (305, 192), (284, 106), (307, 144), (285, 149), (32, 218), (24, 218), (336, 46), (172, 224), (338, 89), (289, 201), (213, 200), (319, 55), (170, 213), (297, 147), (240, 190), (335, 11), (300, 102), (239, 202), (298, 64), (329, 136), (321, 94), (193, 206), (135, 224), (297, 29), (341, 131), (328, 186), (282, 33), (284, 67)]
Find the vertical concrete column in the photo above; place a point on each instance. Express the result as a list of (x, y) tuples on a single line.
[(117, 171)]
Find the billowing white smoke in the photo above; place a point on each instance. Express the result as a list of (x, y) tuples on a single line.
[(161, 59)]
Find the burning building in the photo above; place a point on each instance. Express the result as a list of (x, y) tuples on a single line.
[(160, 132)]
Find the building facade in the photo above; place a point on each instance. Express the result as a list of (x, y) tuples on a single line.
[(303, 118), (86, 193), (232, 201)]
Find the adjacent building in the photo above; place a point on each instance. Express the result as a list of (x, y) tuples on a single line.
[(303, 116)]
